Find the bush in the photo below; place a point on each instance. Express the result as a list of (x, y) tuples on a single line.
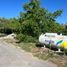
[(25, 38)]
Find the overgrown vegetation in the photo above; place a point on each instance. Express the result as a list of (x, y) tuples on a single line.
[(32, 22), (26, 38)]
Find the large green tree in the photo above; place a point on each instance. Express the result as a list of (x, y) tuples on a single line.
[(36, 20)]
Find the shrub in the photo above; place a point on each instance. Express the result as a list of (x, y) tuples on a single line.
[(26, 38)]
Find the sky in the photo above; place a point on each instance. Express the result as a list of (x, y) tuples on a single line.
[(12, 8)]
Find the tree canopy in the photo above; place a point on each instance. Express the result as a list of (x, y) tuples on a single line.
[(36, 20)]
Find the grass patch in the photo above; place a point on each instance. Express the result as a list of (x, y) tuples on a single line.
[(27, 46), (45, 54)]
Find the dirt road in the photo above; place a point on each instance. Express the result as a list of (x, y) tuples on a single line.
[(10, 56)]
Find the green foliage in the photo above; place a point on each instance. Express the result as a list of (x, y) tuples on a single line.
[(57, 13), (20, 37), (31, 23), (10, 25), (65, 31), (36, 20), (25, 38)]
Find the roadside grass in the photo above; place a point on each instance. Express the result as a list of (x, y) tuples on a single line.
[(27, 46), (43, 53)]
